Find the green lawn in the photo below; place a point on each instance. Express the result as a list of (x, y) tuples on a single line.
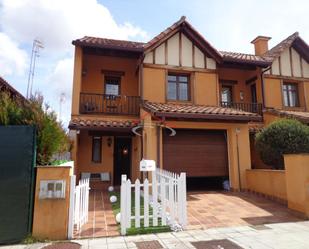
[(142, 230)]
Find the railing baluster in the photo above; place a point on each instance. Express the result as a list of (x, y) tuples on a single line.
[(247, 107)]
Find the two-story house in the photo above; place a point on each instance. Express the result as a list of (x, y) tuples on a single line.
[(179, 101)]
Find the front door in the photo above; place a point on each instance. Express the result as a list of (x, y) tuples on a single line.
[(122, 158)]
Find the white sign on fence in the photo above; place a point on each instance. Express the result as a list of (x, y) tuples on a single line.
[(166, 196)]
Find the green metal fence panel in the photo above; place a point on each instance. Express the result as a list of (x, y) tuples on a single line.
[(17, 161)]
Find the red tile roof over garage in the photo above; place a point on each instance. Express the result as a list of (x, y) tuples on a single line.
[(174, 110)]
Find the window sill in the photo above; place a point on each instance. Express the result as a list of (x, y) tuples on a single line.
[(179, 101), (297, 108)]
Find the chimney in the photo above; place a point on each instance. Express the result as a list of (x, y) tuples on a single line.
[(261, 44)]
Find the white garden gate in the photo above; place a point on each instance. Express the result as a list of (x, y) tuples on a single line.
[(79, 204), (166, 196)]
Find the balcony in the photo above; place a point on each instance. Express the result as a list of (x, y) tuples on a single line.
[(92, 103), (247, 107)]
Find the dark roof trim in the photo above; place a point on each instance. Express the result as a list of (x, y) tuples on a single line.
[(206, 116)]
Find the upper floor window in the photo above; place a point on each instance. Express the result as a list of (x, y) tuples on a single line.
[(178, 87), (290, 95), (227, 94), (112, 85)]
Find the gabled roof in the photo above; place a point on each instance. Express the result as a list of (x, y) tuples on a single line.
[(294, 41), (186, 28), (191, 111), (5, 86)]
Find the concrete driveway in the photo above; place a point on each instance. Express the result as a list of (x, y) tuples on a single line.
[(225, 209)]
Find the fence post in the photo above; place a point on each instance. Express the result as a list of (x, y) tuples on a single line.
[(183, 196), (71, 207), (146, 203), (163, 201), (123, 205), (171, 198), (154, 199), (128, 203), (137, 204)]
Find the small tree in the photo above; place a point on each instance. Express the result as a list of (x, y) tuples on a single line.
[(284, 136), (51, 137)]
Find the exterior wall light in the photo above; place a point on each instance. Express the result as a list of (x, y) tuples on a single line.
[(109, 142), (241, 95)]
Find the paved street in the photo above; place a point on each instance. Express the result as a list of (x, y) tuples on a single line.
[(281, 235)]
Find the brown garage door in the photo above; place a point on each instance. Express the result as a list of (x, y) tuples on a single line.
[(196, 152)]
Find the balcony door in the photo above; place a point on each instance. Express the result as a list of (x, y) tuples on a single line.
[(226, 95), (253, 93)]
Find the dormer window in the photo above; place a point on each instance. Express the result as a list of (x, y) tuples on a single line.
[(178, 87)]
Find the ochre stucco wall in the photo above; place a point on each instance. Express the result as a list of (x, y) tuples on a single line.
[(50, 217), (93, 80), (205, 89), (269, 182), (273, 93), (154, 84), (297, 182), (85, 163), (77, 78)]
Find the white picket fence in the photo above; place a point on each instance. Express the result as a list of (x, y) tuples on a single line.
[(79, 204), (166, 195)]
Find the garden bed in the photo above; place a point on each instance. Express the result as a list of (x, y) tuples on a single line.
[(141, 230)]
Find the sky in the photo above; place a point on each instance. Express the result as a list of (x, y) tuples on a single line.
[(229, 25)]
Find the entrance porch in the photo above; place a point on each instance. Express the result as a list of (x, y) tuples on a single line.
[(206, 209)]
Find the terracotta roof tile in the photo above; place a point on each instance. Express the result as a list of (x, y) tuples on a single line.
[(255, 127), (198, 111), (79, 123), (299, 115), (109, 43), (244, 58), (280, 47)]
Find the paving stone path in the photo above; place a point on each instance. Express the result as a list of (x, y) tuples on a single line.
[(291, 235)]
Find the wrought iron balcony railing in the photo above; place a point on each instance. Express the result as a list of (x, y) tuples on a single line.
[(247, 107), (92, 103)]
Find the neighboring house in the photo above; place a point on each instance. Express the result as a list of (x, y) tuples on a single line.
[(212, 99), (6, 87)]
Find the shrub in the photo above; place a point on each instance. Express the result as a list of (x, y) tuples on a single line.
[(51, 136), (284, 136)]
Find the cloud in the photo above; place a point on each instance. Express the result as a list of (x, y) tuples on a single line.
[(12, 58), (58, 22)]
